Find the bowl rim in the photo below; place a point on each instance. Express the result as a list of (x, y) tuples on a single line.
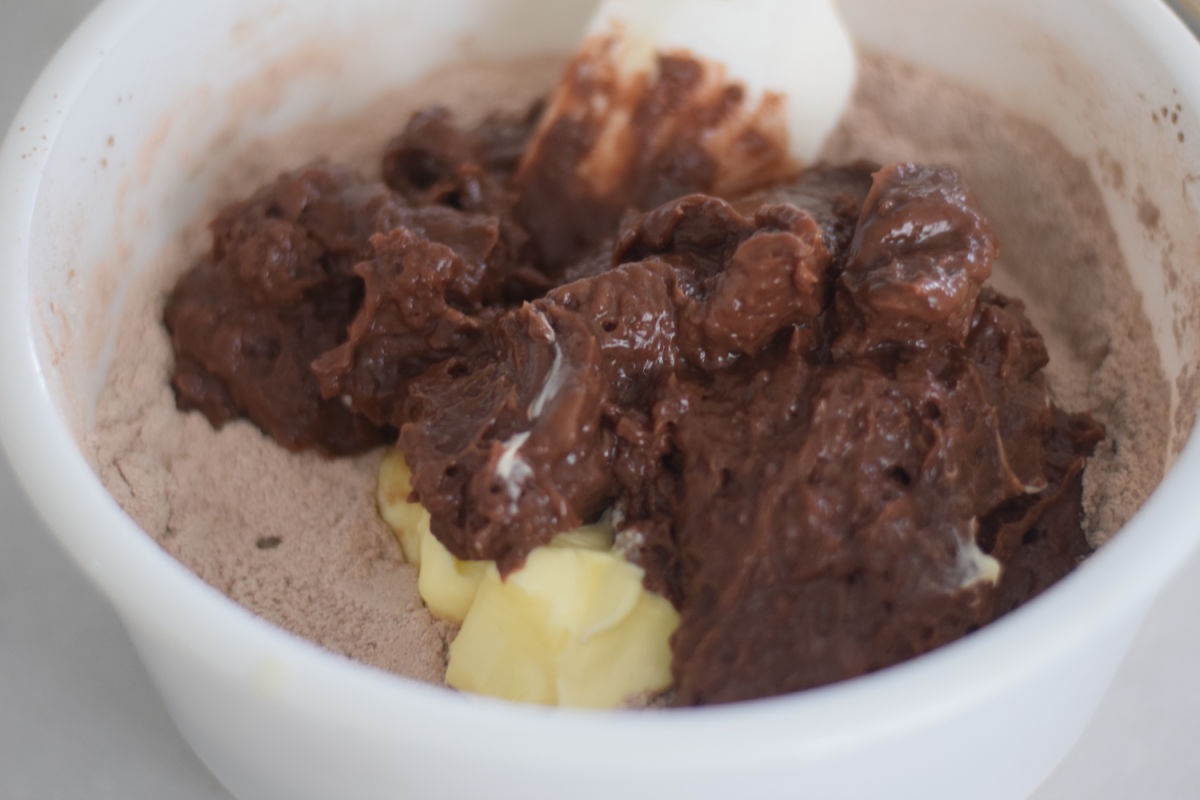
[(131, 569)]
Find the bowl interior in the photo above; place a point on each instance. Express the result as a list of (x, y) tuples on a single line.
[(123, 158)]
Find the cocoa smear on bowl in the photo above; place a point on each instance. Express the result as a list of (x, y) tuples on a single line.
[(296, 538)]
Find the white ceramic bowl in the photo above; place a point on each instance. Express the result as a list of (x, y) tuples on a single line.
[(276, 717)]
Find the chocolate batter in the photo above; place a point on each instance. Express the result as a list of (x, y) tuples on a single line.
[(825, 440)]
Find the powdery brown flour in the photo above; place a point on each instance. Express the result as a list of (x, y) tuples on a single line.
[(296, 539)]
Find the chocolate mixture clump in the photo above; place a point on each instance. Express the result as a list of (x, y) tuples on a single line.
[(822, 436)]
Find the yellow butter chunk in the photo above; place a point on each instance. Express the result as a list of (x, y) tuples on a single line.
[(405, 519), (587, 537), (497, 652), (447, 585), (572, 627)]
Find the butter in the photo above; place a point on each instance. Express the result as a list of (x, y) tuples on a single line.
[(391, 497), (447, 585), (573, 627), (598, 537), (972, 565)]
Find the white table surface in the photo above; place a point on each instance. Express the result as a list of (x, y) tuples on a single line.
[(79, 718)]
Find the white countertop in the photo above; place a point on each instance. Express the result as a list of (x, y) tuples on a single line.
[(79, 718)]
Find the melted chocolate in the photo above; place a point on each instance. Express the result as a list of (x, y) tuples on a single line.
[(825, 440)]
